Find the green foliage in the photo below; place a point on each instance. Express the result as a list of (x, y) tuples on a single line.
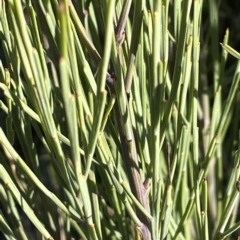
[(119, 124)]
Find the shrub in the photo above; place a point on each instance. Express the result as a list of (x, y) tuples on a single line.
[(119, 124)]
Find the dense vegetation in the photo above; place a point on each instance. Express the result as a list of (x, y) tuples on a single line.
[(119, 119)]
